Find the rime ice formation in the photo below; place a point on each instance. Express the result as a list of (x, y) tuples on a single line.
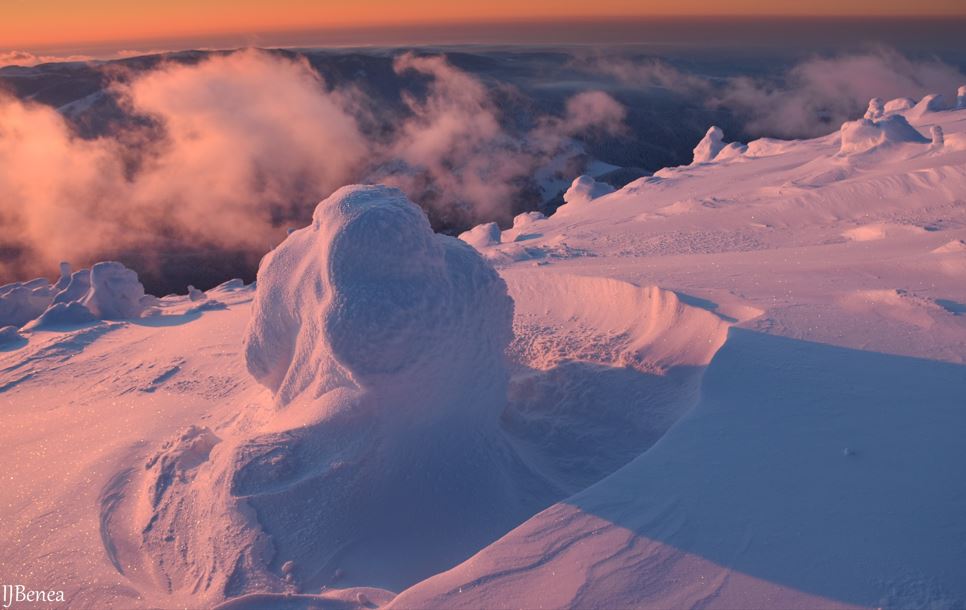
[(382, 345), (930, 103), (196, 295), (585, 188), (482, 236), (937, 136), (107, 291), (713, 148), (372, 245), (115, 292), (76, 288), (64, 279), (864, 135), (899, 104), (876, 109), (23, 301), (709, 146)]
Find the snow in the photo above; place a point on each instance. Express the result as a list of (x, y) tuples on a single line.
[(876, 109), (865, 135), (709, 146), (584, 189), (115, 292), (930, 103), (733, 384), (898, 105), (482, 236)]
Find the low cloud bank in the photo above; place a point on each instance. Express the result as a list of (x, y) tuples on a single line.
[(228, 151), (811, 98)]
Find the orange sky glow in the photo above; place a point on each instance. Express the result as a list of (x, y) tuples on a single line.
[(59, 23)]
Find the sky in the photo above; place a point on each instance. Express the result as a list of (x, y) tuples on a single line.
[(73, 24)]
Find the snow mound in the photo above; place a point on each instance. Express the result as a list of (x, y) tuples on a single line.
[(766, 147), (380, 459), (899, 104), (369, 245), (876, 109), (523, 227), (77, 286), (196, 295), (24, 301), (930, 103), (585, 188), (709, 146), (864, 135), (115, 292), (60, 315), (713, 148), (482, 236)]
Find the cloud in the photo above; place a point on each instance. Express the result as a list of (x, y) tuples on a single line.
[(819, 94), (228, 151), (650, 72), (238, 141), (26, 58), (811, 98), (459, 160)]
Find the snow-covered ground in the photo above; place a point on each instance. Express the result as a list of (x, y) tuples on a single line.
[(735, 384)]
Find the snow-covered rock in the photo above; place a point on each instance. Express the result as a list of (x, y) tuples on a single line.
[(709, 146), (76, 287), (196, 295), (64, 280), (899, 104), (933, 102), (876, 109), (61, 315), (23, 301), (482, 236), (370, 244), (864, 135), (585, 188), (115, 292)]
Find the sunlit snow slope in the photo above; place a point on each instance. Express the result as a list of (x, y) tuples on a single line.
[(735, 384)]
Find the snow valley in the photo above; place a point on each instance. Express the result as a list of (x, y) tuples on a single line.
[(737, 383)]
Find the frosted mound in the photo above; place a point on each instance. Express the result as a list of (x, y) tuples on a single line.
[(712, 147), (115, 292), (380, 459), (107, 291), (585, 188), (368, 292), (864, 135), (709, 146)]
